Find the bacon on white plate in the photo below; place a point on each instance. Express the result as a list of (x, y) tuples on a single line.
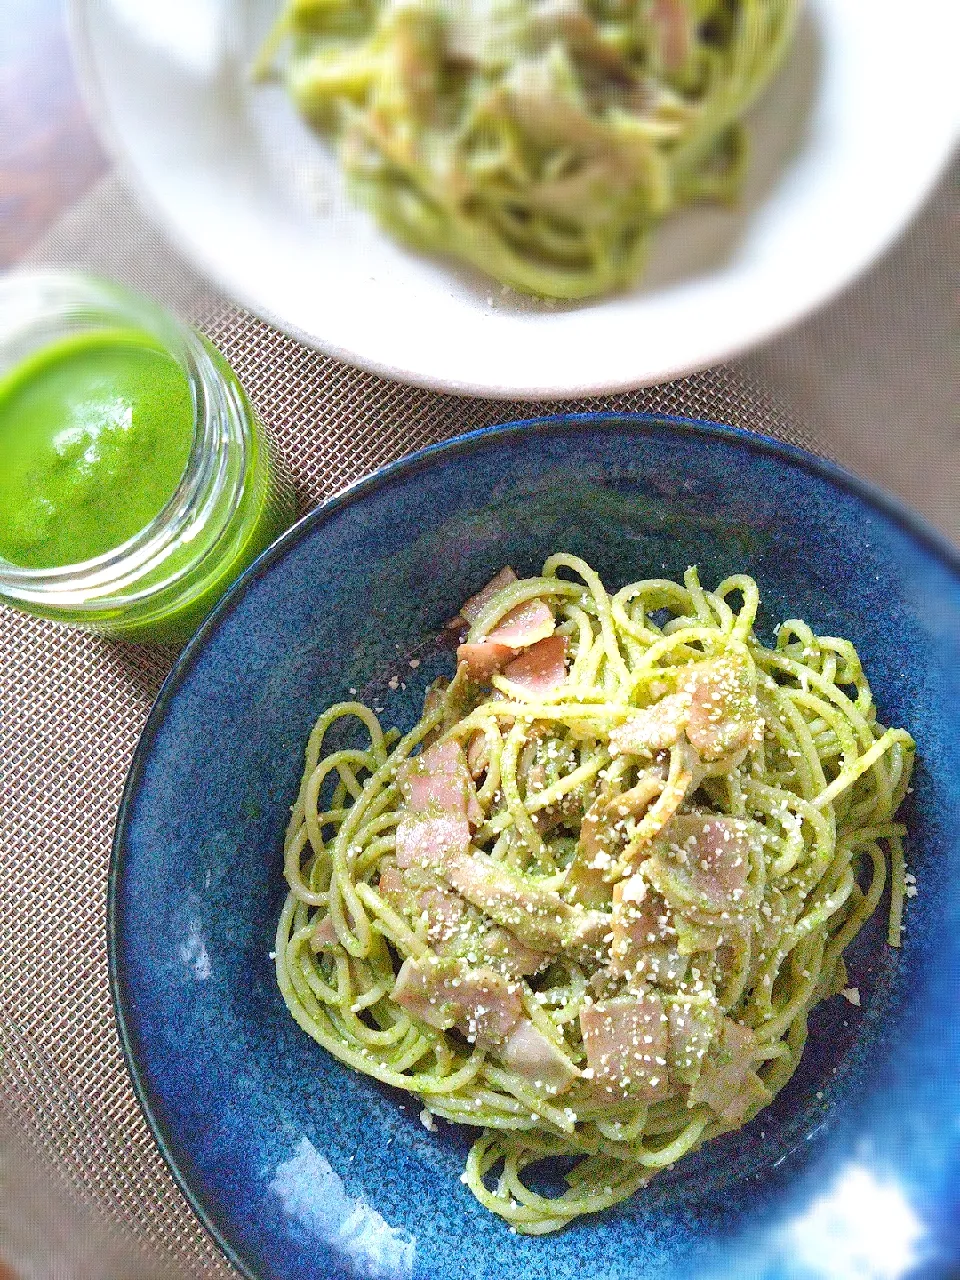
[(541, 668), (672, 22), (626, 1041)]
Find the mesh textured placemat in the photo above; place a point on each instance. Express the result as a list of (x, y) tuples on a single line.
[(71, 707)]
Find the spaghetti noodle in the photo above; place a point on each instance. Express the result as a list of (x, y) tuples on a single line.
[(587, 903), (539, 140)]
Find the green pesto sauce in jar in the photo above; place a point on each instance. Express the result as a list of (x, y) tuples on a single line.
[(95, 434), (110, 518)]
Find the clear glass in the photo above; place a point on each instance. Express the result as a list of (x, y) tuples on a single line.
[(232, 500)]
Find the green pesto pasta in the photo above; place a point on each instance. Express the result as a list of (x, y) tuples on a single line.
[(541, 141), (587, 903)]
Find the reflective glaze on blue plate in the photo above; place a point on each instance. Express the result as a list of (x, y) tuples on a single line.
[(304, 1170)]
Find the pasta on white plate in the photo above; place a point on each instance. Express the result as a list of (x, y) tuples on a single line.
[(539, 140), (587, 903)]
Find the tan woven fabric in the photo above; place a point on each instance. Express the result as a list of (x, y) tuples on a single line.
[(71, 707)]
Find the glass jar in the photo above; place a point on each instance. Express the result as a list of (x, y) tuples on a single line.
[(230, 503)]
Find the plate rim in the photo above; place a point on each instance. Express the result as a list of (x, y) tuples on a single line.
[(722, 350), (891, 508)]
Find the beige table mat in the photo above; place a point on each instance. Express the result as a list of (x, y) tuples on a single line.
[(875, 377)]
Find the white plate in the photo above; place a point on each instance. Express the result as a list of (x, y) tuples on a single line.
[(847, 143)]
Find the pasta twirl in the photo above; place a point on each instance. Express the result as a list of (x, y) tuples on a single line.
[(539, 140), (587, 903)]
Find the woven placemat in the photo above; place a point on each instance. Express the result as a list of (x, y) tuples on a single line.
[(71, 708)]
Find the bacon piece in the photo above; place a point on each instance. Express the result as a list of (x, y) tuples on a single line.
[(450, 932), (641, 948), (727, 1082), (595, 851), (626, 1041), (478, 755), (324, 934), (640, 921), (569, 20), (524, 625), (661, 964), (715, 850), (659, 814), (484, 659), (653, 728), (691, 1031), (589, 929), (715, 706), (527, 1051), (471, 608), (392, 885), (538, 917), (542, 667), (448, 993), (444, 914), (636, 800), (413, 893), (509, 956), (600, 840), (438, 781), (672, 24), (429, 842), (723, 715)]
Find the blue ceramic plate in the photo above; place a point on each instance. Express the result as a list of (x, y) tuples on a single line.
[(302, 1169)]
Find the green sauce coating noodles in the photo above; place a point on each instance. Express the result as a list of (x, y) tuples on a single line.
[(539, 140), (666, 716)]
